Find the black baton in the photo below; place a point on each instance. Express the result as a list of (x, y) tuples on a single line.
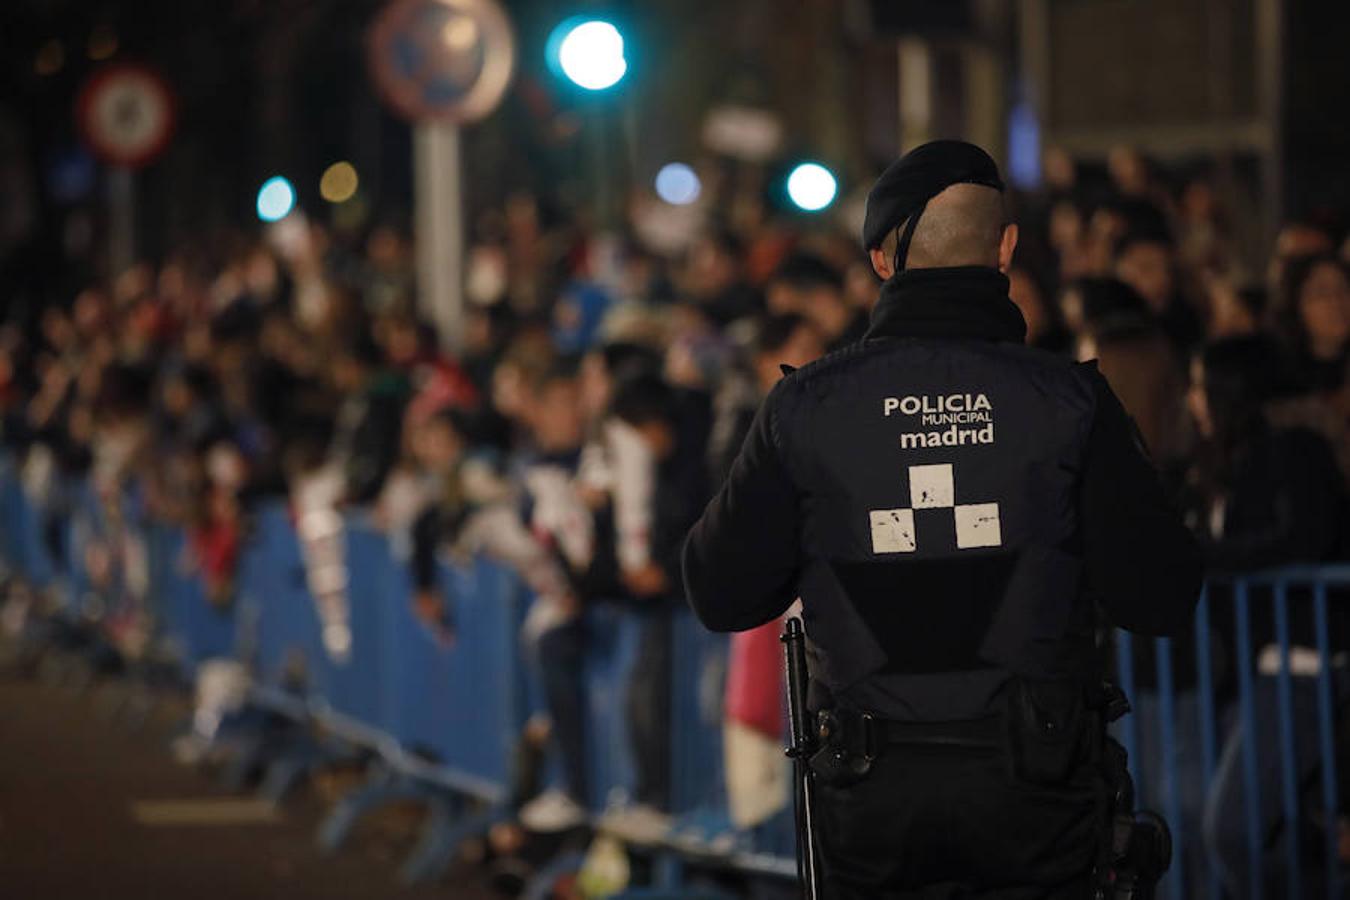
[(802, 736)]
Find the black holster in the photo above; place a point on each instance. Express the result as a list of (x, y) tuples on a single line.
[(1050, 730), (847, 744), (1135, 845)]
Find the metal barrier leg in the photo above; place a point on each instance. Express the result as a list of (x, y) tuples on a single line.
[(667, 871), (1129, 732), (541, 885), (446, 828), (253, 752), (287, 771), (383, 789), (1208, 743), (1248, 724), (1326, 723), (1176, 873), (307, 754), (1288, 758)]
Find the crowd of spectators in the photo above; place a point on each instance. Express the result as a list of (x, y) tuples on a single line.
[(604, 381)]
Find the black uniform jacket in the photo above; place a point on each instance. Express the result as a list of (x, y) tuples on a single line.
[(949, 505)]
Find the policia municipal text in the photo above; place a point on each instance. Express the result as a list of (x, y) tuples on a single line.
[(953, 584)]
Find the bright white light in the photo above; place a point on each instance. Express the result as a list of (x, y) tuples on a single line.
[(276, 199), (592, 55), (812, 187), (677, 184)]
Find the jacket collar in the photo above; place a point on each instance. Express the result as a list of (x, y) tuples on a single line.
[(960, 302)]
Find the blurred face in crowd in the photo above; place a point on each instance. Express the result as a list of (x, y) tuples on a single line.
[(711, 270), (385, 249), (508, 390), (1071, 310), (402, 343), (1146, 266), (823, 304), (1297, 239), (225, 466), (860, 286), (90, 312), (659, 438), (1228, 315), (594, 385), (177, 396), (173, 283), (804, 345), (197, 343), (1324, 309), (1060, 171), (261, 276), (436, 445), (1066, 226), (1302, 240), (1128, 171), (477, 331), (348, 373), (1197, 202), (557, 419), (782, 299), (522, 217), (57, 330)]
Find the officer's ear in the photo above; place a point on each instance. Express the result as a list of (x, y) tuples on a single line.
[(1006, 246), (881, 263)]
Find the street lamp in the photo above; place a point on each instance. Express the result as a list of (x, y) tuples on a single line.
[(276, 199), (812, 187), (677, 184), (589, 53)]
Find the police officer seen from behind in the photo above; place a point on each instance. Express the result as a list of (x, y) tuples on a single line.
[(953, 508)]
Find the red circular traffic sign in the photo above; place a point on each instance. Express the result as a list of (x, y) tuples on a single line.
[(126, 114), (442, 60)]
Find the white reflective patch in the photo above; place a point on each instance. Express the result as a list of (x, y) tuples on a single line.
[(977, 525), (893, 531), (930, 487)]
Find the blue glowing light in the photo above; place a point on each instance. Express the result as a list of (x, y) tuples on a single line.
[(590, 54), (276, 199), (677, 184)]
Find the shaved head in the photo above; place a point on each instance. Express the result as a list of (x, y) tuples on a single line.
[(962, 226)]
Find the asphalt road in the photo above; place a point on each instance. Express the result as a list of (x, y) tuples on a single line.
[(92, 808)]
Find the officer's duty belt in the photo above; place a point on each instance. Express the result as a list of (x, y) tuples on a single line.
[(872, 732)]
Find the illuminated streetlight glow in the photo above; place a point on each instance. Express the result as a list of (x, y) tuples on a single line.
[(812, 187), (591, 55), (677, 184), (460, 34), (276, 199), (339, 182)]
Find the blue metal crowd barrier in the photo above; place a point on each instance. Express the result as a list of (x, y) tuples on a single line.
[(196, 629), (1243, 757), (1234, 734)]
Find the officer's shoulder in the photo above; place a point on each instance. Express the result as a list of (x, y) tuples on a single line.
[(832, 363), (1036, 362)]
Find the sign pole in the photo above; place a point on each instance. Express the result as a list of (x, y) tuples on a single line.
[(122, 220), (439, 213), (464, 53)]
